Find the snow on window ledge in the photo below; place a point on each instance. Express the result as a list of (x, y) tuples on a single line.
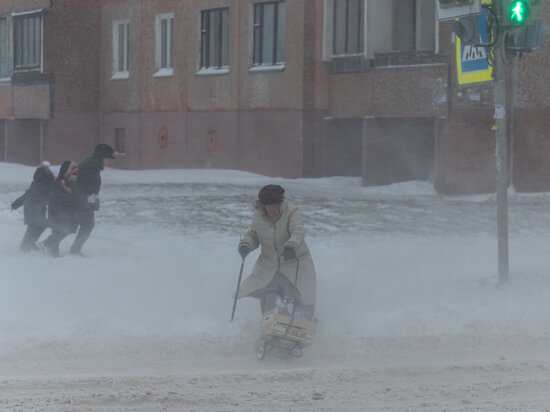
[(267, 68), (120, 76), (164, 72), (212, 71)]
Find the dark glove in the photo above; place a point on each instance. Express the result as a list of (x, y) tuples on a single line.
[(244, 250), (18, 202), (289, 253)]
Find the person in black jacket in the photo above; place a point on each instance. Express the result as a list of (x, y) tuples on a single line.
[(34, 202), (61, 208), (88, 183)]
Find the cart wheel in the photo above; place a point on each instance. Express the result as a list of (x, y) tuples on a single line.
[(296, 352), (262, 351)]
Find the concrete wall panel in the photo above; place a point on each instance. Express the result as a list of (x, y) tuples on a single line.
[(212, 140), (465, 158), (32, 101), (271, 142), (23, 141), (5, 101), (395, 92), (532, 151)]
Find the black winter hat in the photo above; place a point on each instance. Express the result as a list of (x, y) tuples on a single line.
[(271, 195), (104, 150)]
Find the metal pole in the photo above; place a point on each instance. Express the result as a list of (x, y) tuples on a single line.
[(501, 155), (237, 292)]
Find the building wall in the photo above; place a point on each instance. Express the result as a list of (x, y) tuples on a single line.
[(70, 135), (23, 141), (341, 147), (53, 113), (240, 109), (531, 148), (397, 149), (465, 156), (304, 120), (71, 27), (390, 92)]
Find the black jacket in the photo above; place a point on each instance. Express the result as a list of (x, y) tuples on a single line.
[(35, 200), (62, 207), (88, 179)]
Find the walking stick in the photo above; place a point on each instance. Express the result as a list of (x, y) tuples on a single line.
[(237, 292)]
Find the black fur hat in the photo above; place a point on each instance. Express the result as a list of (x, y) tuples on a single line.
[(104, 150), (271, 195)]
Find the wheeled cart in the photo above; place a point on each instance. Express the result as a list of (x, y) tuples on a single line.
[(286, 333)]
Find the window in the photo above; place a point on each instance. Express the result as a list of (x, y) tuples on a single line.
[(214, 39), (164, 49), (269, 34), (121, 65), (120, 141), (27, 42), (349, 28), (413, 25), (4, 71)]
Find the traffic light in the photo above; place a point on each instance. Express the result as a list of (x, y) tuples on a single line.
[(517, 12), (526, 38), (467, 30)]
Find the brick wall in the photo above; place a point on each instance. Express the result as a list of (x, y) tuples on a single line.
[(465, 158)]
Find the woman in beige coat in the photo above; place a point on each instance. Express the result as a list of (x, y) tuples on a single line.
[(284, 267)]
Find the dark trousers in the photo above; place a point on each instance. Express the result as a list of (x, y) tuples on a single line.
[(53, 241), (86, 223), (32, 234)]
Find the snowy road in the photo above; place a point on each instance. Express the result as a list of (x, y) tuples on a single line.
[(410, 316)]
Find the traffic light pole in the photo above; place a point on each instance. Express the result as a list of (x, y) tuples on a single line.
[(499, 68)]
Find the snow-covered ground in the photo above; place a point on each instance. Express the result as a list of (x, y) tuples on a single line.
[(410, 313)]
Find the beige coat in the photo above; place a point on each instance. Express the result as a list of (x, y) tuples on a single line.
[(273, 236)]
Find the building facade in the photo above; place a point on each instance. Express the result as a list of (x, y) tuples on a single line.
[(294, 88)]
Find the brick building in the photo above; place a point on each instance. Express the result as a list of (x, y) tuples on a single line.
[(289, 88)]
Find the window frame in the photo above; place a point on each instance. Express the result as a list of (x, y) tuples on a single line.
[(164, 52), (360, 31), (5, 49), (257, 25), (21, 66), (125, 73), (328, 31), (221, 40), (120, 141), (417, 26)]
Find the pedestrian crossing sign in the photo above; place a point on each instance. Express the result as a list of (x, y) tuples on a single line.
[(472, 63)]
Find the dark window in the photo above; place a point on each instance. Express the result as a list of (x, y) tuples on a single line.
[(269, 33), (164, 38), (349, 28), (27, 42), (121, 61), (413, 25), (3, 48), (404, 24), (214, 38), (120, 137)]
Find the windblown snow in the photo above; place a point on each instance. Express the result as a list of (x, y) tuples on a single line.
[(410, 312)]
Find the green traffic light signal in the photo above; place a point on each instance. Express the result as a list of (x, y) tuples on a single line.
[(519, 11)]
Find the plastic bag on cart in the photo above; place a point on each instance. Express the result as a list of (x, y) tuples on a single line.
[(286, 306)]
